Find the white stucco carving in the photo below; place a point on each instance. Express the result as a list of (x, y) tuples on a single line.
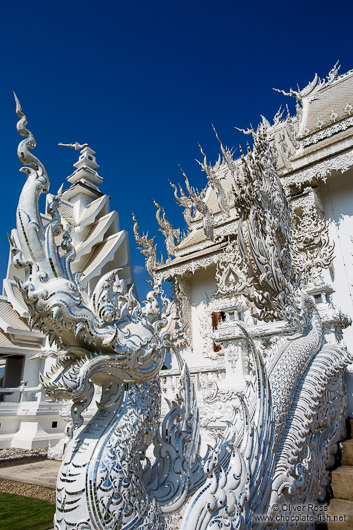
[(257, 345)]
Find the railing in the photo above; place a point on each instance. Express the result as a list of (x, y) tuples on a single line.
[(20, 393)]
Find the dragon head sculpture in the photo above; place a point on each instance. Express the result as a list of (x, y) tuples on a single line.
[(128, 338)]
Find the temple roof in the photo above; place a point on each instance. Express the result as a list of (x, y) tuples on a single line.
[(328, 104), (196, 237), (310, 146), (65, 209), (7, 344), (9, 319)]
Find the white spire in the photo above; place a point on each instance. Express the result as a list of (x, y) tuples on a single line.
[(86, 167)]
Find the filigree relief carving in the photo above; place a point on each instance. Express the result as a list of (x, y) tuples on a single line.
[(318, 172), (211, 391), (314, 251), (190, 266), (181, 299), (327, 132), (217, 403), (230, 276)]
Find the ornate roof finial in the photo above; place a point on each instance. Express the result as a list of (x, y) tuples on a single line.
[(226, 153), (278, 116), (215, 184), (75, 146), (196, 202), (86, 166), (333, 73), (147, 248), (300, 94), (170, 233)]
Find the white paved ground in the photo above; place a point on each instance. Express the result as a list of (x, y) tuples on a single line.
[(41, 473)]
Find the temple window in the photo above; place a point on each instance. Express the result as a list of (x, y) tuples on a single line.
[(233, 316), (318, 298), (217, 317)]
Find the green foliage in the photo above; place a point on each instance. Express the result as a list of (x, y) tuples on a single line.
[(25, 513)]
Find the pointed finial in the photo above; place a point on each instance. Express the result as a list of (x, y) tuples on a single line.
[(214, 130), (158, 206), (75, 146), (60, 190), (202, 152), (18, 105), (182, 171)]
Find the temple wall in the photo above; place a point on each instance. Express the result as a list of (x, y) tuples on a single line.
[(337, 198), (31, 369), (202, 285)]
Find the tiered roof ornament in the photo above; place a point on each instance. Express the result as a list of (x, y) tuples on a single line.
[(86, 166)]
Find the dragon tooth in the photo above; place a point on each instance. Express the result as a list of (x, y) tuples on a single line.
[(56, 311), (78, 328)]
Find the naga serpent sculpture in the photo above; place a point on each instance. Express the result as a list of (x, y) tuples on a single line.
[(109, 339)]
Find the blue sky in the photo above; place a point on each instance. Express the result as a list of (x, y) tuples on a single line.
[(141, 83)]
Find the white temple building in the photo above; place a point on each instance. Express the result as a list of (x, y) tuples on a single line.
[(314, 160), (314, 151), (27, 418)]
